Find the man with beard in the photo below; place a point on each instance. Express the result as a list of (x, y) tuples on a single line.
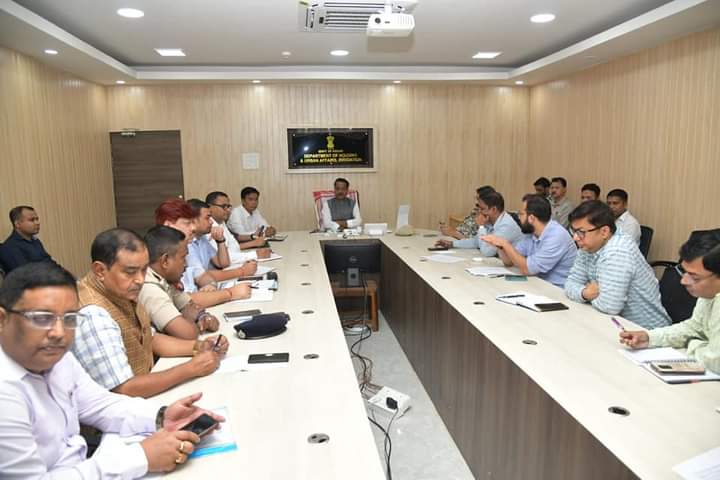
[(547, 250)]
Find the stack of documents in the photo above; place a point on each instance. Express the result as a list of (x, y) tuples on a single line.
[(666, 354), (490, 271), (441, 258)]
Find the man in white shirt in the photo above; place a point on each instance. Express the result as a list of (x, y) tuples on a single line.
[(340, 212), (617, 200), (45, 394), (246, 221), (220, 208)]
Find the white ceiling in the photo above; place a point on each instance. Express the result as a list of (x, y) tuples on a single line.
[(239, 39)]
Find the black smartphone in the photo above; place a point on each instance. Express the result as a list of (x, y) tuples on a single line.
[(269, 358), (202, 425), (438, 249), (262, 231)]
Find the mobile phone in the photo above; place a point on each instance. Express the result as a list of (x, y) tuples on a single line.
[(516, 278), (240, 316), (269, 358), (438, 249), (262, 231), (202, 425)]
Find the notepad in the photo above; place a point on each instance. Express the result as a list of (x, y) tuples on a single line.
[(273, 256), (489, 271), (256, 295), (443, 258), (219, 441), (703, 467), (536, 303), (646, 356)]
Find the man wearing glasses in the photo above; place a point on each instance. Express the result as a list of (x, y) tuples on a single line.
[(700, 334), (609, 271), (220, 208), (45, 394)]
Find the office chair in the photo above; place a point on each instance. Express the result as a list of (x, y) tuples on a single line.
[(646, 236), (678, 303)]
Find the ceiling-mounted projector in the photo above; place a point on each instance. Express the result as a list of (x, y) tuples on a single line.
[(390, 24), (353, 15)]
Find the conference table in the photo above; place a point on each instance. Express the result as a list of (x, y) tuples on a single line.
[(525, 395)]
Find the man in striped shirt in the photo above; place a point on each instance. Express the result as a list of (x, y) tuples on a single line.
[(610, 272)]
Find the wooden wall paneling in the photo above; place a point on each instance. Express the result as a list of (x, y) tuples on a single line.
[(434, 144), (55, 156), (646, 123)]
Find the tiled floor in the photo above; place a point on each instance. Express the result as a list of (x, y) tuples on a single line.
[(422, 448)]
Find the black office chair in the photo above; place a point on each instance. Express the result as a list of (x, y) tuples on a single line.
[(646, 235), (515, 217), (678, 303)]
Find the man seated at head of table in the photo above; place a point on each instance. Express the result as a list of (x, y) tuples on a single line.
[(116, 344), (546, 250), (609, 272), (246, 221), (468, 227), (205, 264), (492, 220), (171, 311), (178, 214), (700, 334), (220, 208), (341, 211), (45, 394)]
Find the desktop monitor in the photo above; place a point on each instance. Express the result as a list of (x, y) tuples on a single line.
[(352, 257)]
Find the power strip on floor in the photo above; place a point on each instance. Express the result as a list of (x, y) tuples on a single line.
[(379, 401)]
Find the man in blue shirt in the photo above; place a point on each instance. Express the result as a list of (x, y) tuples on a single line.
[(492, 219), (547, 250), (609, 271), (23, 246)]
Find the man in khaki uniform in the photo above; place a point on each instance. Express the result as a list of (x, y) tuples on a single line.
[(171, 310)]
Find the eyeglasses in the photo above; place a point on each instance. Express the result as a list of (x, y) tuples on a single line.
[(580, 233), (224, 206), (47, 320), (693, 277)]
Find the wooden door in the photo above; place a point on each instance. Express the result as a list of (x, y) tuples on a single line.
[(147, 169)]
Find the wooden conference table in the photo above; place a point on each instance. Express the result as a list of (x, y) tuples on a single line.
[(516, 410)]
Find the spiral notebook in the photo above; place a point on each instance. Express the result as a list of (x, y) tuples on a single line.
[(647, 356)]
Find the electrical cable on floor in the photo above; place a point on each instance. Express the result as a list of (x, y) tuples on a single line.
[(387, 441)]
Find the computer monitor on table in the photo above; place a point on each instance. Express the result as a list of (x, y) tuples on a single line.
[(352, 257)]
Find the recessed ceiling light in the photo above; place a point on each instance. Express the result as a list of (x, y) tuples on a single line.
[(542, 18), (519, 82), (397, 82), (256, 81), (120, 82), (130, 13), (339, 53), (489, 55), (50, 51), (286, 53), (170, 52)]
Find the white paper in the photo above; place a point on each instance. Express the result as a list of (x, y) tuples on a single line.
[(443, 258), (256, 295), (221, 440), (490, 271), (403, 216), (250, 161), (646, 355), (273, 256), (703, 467)]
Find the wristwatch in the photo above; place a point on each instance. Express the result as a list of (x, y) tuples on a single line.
[(160, 418), (252, 236)]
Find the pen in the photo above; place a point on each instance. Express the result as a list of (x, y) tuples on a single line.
[(217, 342), (512, 296), (617, 324)]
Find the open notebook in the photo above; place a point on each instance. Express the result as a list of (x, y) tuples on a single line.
[(536, 303), (666, 355)]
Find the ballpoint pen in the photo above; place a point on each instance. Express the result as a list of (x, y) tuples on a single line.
[(217, 342), (617, 324)]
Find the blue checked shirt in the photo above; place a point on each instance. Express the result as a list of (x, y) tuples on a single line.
[(505, 226), (626, 282), (550, 256), (100, 349)]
